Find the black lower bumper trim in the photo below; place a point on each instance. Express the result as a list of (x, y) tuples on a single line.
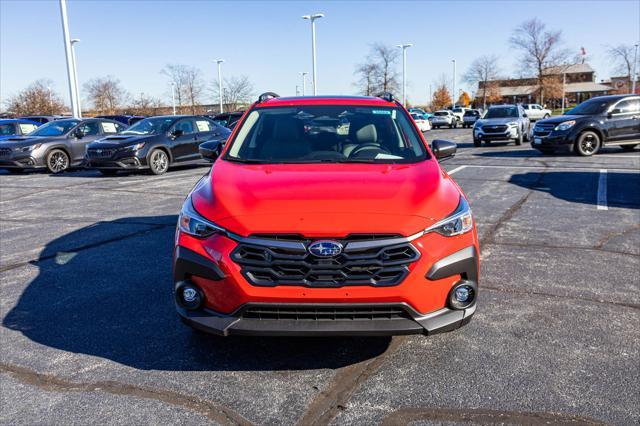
[(436, 322), (187, 263)]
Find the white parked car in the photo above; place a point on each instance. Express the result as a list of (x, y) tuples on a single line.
[(444, 118), (459, 113), (423, 123), (536, 112)]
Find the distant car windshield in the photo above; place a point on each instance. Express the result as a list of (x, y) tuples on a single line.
[(502, 112), (441, 114), (416, 116), (7, 129), (457, 110), (590, 107), (470, 112), (150, 126), (331, 134), (55, 128)]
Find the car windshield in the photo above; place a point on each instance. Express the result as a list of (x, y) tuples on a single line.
[(504, 112), (150, 126), (441, 114), (7, 129), (332, 134), (589, 107), (55, 128)]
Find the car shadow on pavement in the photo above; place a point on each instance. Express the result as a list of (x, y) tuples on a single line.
[(105, 290), (623, 189)]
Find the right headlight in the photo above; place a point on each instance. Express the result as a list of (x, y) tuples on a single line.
[(192, 223), (565, 125), (458, 222)]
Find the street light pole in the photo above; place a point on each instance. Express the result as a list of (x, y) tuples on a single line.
[(404, 71), (75, 74), (67, 50), (304, 81), (313, 18), (635, 70), (453, 93), (219, 62), (173, 96)]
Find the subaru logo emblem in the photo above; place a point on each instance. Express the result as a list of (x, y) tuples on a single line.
[(99, 151), (325, 248)]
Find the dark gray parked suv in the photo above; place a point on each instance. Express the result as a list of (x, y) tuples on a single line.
[(502, 123), (56, 145)]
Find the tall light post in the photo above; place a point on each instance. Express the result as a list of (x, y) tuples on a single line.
[(173, 96), (304, 81), (67, 50), (404, 71), (453, 93), (219, 62), (313, 18), (635, 70), (75, 74)]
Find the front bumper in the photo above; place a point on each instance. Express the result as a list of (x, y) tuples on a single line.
[(123, 162), (552, 140), (419, 302), (509, 134)]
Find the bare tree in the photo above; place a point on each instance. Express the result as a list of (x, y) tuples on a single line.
[(482, 70), (622, 56), (37, 98), (144, 105), (386, 59), (236, 91), (367, 83), (188, 83), (176, 74), (106, 94), (540, 49)]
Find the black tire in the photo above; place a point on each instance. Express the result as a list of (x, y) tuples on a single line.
[(519, 138), (588, 143), (628, 147), (451, 125), (477, 142), (158, 162), (108, 172), (527, 135), (57, 161), (546, 116)]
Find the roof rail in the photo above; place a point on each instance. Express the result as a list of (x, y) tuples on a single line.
[(267, 95), (387, 96)]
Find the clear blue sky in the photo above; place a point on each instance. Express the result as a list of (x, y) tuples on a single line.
[(269, 42)]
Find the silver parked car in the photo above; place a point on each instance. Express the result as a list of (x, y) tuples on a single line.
[(502, 123), (56, 146), (444, 118)]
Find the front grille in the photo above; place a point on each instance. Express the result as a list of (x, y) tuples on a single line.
[(101, 153), (542, 129), (495, 129), (5, 152), (265, 265), (324, 313)]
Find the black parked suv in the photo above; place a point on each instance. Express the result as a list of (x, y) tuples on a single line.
[(602, 121), (154, 143)]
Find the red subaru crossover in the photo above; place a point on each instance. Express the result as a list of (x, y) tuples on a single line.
[(326, 216)]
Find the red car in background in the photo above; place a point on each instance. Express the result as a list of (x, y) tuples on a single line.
[(326, 216)]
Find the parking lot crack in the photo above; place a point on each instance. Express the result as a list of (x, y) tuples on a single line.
[(332, 400), (50, 383), (615, 234)]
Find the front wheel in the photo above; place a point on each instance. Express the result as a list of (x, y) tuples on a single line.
[(158, 162), (477, 142), (588, 143), (519, 138), (57, 161), (546, 116)]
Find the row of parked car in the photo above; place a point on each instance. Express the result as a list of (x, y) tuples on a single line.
[(598, 122), (109, 145)]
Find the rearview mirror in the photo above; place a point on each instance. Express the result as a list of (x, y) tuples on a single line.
[(443, 150), (211, 150)]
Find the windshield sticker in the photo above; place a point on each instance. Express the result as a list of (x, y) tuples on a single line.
[(381, 111)]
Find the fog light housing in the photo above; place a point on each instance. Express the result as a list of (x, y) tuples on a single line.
[(463, 295), (189, 296)]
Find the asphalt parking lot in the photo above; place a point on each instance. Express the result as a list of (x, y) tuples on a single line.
[(89, 333)]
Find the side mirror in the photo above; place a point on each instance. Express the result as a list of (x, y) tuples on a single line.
[(525, 115), (79, 134), (211, 150), (176, 133), (443, 150), (615, 111)]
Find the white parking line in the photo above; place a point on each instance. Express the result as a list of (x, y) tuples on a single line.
[(602, 190), (582, 169), (457, 169)]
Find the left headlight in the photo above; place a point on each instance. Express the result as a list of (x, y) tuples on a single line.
[(565, 125), (458, 222), (135, 147), (192, 223), (31, 147), (512, 124)]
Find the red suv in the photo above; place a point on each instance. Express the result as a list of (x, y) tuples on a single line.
[(326, 216)]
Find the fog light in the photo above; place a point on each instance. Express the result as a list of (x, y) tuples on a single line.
[(462, 295), (190, 296)]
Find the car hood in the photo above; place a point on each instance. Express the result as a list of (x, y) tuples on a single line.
[(22, 141), (562, 118), (496, 121), (325, 200), (117, 141)]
